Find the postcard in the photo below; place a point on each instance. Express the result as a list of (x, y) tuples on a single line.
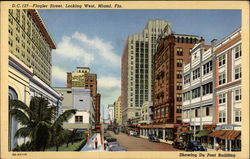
[(124, 79)]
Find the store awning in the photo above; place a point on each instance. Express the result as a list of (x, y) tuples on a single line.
[(226, 134), (192, 131), (203, 133), (216, 133), (231, 135)]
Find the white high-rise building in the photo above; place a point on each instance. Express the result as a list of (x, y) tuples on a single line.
[(137, 68)]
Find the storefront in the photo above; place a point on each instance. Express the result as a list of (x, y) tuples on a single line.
[(229, 140), (164, 132)]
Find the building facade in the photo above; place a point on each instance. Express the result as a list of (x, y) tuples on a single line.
[(118, 111), (172, 52), (78, 98), (29, 41), (82, 77), (29, 72), (198, 84), (146, 113), (137, 68), (228, 105)]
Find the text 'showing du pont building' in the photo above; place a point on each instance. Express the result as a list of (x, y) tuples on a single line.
[(29, 75)]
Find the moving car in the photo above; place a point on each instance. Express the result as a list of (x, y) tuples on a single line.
[(117, 148), (153, 138), (194, 146)]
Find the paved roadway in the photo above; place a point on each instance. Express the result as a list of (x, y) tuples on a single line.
[(140, 144)]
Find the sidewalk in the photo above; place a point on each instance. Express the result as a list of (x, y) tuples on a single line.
[(89, 147)]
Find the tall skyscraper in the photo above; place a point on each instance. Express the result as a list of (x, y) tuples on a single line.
[(137, 68)]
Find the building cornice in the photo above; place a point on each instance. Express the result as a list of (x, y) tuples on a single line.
[(38, 20)]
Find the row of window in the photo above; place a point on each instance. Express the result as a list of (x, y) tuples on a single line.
[(236, 52), (206, 111), (237, 116), (222, 76), (237, 96), (206, 89)]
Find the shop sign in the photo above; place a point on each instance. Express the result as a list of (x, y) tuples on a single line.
[(228, 127)]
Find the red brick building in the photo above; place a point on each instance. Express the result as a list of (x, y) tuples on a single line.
[(172, 52)]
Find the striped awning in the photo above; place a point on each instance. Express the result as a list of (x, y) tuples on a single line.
[(226, 134), (231, 135), (217, 133)]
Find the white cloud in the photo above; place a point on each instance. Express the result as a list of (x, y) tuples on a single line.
[(105, 83), (94, 52), (67, 49), (59, 74), (104, 49)]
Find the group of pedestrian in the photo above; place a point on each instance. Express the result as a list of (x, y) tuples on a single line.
[(94, 143)]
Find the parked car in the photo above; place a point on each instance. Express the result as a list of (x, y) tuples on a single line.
[(117, 148), (179, 145), (194, 146), (153, 138), (116, 131), (131, 133), (135, 133), (112, 144)]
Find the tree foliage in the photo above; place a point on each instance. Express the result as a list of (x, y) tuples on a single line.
[(39, 122)]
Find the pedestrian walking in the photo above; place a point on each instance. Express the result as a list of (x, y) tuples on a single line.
[(217, 146), (96, 143), (105, 144), (93, 143)]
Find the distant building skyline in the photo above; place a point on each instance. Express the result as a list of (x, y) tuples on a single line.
[(87, 44)]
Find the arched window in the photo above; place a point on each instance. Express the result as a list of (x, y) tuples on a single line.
[(12, 93), (12, 122)]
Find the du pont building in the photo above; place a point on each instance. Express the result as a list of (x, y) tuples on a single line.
[(172, 52)]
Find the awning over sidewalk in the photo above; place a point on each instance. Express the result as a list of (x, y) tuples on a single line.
[(226, 134), (231, 135), (203, 133), (217, 133), (192, 131)]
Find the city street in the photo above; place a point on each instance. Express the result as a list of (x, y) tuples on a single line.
[(139, 144)]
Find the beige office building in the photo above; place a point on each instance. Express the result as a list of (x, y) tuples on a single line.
[(137, 68), (29, 65), (118, 111), (30, 42)]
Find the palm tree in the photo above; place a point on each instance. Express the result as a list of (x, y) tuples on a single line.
[(58, 133), (35, 120), (39, 122)]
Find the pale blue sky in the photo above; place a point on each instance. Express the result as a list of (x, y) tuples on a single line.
[(96, 38)]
